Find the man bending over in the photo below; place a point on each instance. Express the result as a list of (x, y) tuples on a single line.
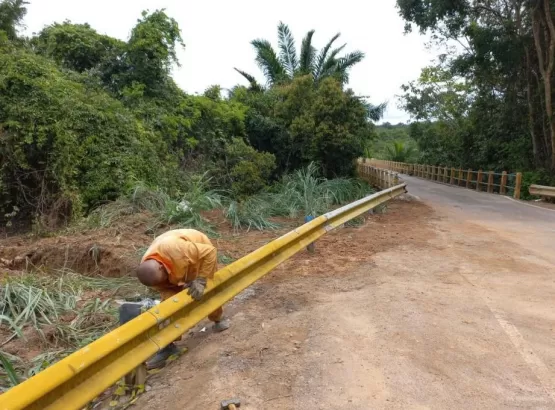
[(176, 260)]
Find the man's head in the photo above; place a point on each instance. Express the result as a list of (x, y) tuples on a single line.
[(152, 273)]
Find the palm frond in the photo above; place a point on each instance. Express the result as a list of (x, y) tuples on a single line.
[(344, 64), (254, 86), (329, 67), (322, 57), (308, 53), (288, 52), (375, 112), (268, 61)]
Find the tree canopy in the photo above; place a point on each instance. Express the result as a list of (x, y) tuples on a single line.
[(84, 117), (488, 101)]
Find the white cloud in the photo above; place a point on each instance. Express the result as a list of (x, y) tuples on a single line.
[(217, 35)]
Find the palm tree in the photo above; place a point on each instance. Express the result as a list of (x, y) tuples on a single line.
[(282, 67), (400, 152)]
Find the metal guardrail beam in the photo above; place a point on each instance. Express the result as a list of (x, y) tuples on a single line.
[(542, 190), (77, 379)]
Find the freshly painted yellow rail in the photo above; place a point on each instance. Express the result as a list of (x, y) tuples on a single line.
[(79, 378)]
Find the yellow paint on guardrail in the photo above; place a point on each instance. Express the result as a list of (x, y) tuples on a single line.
[(542, 190), (79, 378)]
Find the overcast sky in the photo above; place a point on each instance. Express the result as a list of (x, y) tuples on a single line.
[(217, 34)]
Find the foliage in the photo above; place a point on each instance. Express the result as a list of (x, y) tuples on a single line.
[(248, 170), (283, 67), (60, 310), (387, 134), (492, 93), (151, 51), (301, 193), (400, 152), (84, 116), (77, 47), (11, 16), (65, 147), (181, 210), (326, 125)]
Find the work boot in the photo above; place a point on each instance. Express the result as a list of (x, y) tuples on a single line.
[(159, 359), (221, 325)]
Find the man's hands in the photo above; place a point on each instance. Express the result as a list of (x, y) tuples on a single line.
[(196, 288)]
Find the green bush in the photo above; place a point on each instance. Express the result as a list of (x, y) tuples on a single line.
[(65, 147), (249, 171)]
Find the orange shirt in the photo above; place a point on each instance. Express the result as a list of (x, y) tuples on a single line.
[(186, 254)]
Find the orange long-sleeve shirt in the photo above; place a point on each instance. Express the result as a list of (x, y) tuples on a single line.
[(186, 254)]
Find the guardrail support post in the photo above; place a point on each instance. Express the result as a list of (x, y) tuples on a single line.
[(452, 180), (518, 183), (490, 182), (479, 180), (137, 377), (460, 177), (503, 187)]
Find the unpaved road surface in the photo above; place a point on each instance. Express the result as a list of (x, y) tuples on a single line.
[(443, 302)]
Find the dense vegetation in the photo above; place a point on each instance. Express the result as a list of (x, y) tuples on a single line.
[(85, 118), (487, 103)]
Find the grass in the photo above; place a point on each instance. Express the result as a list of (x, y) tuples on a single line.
[(65, 313), (299, 194), (182, 211), (225, 259)]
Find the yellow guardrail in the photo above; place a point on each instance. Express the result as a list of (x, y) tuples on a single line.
[(79, 378), (542, 190)]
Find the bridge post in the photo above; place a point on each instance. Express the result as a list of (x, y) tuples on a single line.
[(503, 187), (490, 182), (518, 183), (469, 178)]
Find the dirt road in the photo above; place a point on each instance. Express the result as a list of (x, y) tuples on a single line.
[(442, 302)]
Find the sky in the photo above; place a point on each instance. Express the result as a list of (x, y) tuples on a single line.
[(217, 36)]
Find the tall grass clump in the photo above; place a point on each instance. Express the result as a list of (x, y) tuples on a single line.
[(301, 193), (61, 314), (183, 210)]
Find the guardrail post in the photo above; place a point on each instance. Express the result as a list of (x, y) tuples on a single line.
[(490, 182), (469, 178), (446, 175), (479, 180), (518, 183), (433, 173), (460, 177), (452, 180), (137, 377), (503, 187)]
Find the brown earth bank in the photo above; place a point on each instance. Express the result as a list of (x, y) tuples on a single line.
[(116, 251)]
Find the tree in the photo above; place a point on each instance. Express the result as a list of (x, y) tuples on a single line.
[(77, 47), (325, 124), (283, 67), (507, 60), (12, 13), (64, 147), (400, 152), (151, 50)]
